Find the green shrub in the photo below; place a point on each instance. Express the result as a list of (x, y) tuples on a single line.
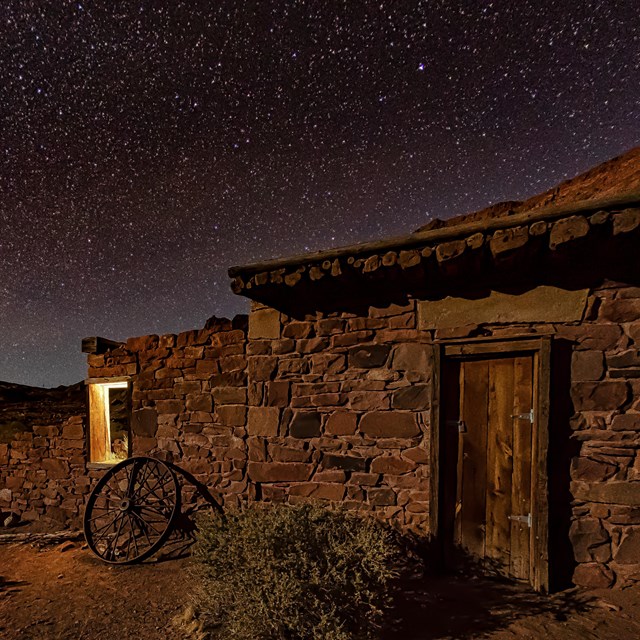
[(293, 573)]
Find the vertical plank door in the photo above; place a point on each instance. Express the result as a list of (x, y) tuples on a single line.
[(494, 465)]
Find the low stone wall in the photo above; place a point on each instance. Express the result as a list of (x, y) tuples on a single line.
[(44, 476)]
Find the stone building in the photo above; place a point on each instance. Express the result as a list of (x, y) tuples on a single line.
[(476, 382)]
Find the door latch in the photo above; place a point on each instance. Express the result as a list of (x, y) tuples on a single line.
[(524, 416), (524, 519), (462, 427)]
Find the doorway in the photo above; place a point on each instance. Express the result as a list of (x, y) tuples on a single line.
[(492, 485)]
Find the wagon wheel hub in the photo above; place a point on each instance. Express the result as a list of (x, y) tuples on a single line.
[(125, 504)]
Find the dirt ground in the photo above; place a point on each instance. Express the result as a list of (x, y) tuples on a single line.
[(64, 592)]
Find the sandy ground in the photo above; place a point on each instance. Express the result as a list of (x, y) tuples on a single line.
[(64, 592)]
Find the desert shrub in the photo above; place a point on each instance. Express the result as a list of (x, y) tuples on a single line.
[(293, 573)]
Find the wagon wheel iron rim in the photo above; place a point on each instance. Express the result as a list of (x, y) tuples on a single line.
[(131, 510)]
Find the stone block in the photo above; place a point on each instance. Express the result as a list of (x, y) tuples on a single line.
[(411, 357), (626, 422), (47, 432), (568, 230), (599, 396), (623, 493), (587, 366), (229, 395), (168, 372), (263, 421), (347, 463), (199, 402), (621, 310), (415, 396), (170, 406), (264, 324), (323, 363), (390, 424), (318, 491), (305, 424), (507, 240), (281, 453), (262, 368), (257, 448), (72, 431), (188, 387), (278, 393), (390, 310), (330, 475), (364, 479), (144, 445), (395, 465), (232, 415), (626, 221), (628, 358), (593, 575), (417, 454), (585, 535), (540, 304), (368, 357), (369, 400), (629, 550), (341, 423), (381, 497), (279, 471), (589, 470), (330, 326), (144, 422), (450, 250), (312, 345), (55, 467), (297, 330)]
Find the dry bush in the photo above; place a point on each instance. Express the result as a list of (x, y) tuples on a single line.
[(293, 573)]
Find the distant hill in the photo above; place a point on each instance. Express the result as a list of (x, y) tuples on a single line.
[(616, 177), (22, 407)]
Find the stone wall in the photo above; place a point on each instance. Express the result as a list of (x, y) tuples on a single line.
[(336, 407), (189, 402), (43, 475), (339, 410)]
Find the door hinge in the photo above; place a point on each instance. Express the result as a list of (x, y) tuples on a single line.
[(524, 416), (524, 519)]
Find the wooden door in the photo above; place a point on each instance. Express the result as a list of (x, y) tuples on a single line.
[(493, 508)]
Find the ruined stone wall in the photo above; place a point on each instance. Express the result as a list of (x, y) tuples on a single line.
[(44, 476), (189, 402)]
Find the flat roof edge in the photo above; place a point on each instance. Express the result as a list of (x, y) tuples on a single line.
[(439, 235)]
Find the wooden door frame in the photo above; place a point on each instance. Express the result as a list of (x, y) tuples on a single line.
[(540, 348)]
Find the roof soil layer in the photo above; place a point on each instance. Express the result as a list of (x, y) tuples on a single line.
[(614, 184)]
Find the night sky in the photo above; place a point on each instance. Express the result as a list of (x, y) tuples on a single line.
[(146, 146)]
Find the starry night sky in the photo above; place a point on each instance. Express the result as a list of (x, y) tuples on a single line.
[(146, 146)]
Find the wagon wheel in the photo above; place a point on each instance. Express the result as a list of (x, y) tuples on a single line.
[(131, 510)]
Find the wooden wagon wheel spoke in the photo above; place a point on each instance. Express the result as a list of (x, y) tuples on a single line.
[(120, 524)]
